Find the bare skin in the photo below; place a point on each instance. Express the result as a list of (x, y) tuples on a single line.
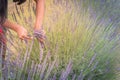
[(20, 30), (40, 5)]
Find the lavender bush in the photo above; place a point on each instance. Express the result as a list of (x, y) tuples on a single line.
[(80, 44)]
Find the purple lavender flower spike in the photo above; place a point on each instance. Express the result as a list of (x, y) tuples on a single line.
[(39, 34)]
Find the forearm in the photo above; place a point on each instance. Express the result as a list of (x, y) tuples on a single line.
[(10, 25), (40, 5), (21, 31)]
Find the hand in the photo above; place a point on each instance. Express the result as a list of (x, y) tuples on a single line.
[(22, 33), (40, 35)]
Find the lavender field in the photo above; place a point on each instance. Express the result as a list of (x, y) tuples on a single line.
[(82, 42)]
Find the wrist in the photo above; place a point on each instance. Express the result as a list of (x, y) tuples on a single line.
[(11, 25), (17, 27), (38, 28), (38, 24)]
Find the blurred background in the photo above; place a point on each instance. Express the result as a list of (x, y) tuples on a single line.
[(83, 41)]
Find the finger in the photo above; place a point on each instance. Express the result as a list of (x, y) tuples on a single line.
[(41, 39), (21, 37), (42, 42), (27, 37), (30, 36), (44, 32)]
